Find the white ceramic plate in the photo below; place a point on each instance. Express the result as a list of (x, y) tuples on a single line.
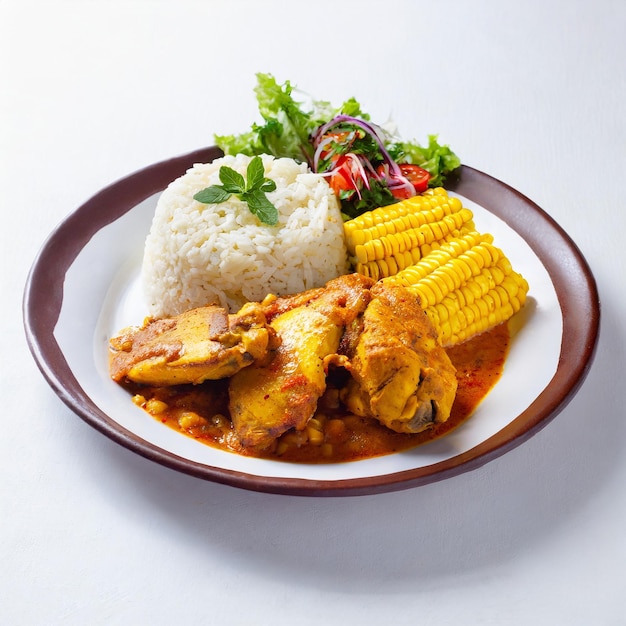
[(90, 268)]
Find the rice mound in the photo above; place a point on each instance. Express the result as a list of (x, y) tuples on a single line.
[(198, 254)]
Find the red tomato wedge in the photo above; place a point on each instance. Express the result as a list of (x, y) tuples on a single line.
[(416, 175)]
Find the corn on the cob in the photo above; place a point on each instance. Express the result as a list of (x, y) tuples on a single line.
[(467, 294), (388, 239), (466, 284)]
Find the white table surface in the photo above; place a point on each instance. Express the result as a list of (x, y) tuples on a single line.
[(532, 93)]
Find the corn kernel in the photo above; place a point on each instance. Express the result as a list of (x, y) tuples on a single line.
[(327, 450), (139, 400), (316, 436), (189, 419), (315, 422), (155, 407), (335, 431), (360, 252)]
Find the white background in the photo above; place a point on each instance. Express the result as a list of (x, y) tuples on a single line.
[(532, 93)]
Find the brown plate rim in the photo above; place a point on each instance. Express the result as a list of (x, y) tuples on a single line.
[(571, 275)]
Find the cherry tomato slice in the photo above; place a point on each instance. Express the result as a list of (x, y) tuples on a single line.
[(401, 194), (345, 175), (416, 175), (339, 181)]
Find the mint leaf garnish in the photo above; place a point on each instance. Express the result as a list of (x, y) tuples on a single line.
[(261, 206), (212, 195), (251, 191), (255, 173), (268, 185), (232, 181)]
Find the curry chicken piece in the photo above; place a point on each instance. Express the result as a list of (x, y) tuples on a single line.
[(277, 355), (281, 393), (201, 344), (400, 375)]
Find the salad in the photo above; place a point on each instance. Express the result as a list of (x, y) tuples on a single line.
[(366, 164)]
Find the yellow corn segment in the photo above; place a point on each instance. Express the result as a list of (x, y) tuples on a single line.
[(466, 284), (388, 239), (466, 294)]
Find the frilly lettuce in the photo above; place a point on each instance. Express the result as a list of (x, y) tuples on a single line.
[(288, 127)]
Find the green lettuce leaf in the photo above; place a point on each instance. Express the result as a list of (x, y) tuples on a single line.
[(286, 127), (246, 143), (438, 159)]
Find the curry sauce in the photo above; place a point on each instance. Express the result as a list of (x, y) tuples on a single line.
[(333, 435)]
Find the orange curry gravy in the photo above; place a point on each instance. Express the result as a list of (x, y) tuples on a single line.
[(333, 435)]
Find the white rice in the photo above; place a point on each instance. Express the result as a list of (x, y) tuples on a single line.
[(198, 254)]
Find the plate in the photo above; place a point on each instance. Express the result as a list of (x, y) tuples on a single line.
[(84, 287)]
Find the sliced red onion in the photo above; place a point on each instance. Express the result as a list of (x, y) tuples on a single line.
[(393, 176), (370, 129), (358, 163)]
